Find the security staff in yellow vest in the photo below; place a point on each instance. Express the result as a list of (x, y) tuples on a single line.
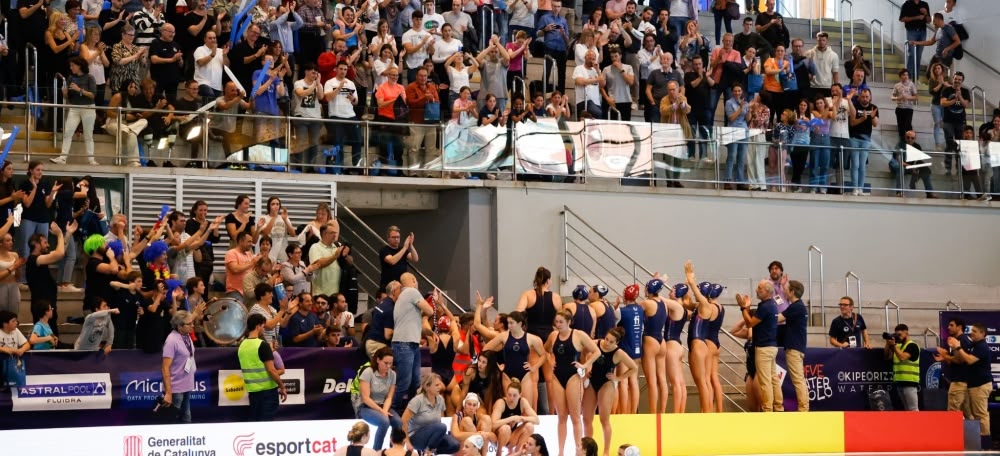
[(905, 356), (260, 377)]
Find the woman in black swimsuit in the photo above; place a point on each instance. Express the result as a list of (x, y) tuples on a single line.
[(601, 392), (567, 345), (753, 390), (517, 347), (358, 437), (471, 421), (540, 305), (485, 379), (513, 419)]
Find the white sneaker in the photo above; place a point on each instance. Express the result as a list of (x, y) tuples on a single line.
[(856, 192), (69, 288), (60, 160), (93, 162), (134, 164)]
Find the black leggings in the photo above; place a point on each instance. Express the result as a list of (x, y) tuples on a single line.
[(799, 157)]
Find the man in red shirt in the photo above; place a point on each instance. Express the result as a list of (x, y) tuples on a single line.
[(421, 98)]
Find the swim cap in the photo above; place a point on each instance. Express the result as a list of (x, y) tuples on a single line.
[(715, 291), (654, 286), (602, 290), (680, 290), (704, 288), (631, 292), (580, 292)]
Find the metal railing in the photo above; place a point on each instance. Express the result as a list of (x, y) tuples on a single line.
[(819, 258), (364, 228), (881, 46), (890, 303), (840, 10), (484, 35), (978, 117), (952, 305), (847, 286), (524, 89), (545, 73), (631, 268), (931, 332)]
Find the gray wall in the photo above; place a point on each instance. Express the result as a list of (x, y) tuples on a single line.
[(736, 237), (450, 239)]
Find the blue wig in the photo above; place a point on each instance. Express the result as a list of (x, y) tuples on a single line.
[(173, 284), (116, 247), (154, 250)]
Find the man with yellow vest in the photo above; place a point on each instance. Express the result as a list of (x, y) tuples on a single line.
[(905, 356), (260, 377)]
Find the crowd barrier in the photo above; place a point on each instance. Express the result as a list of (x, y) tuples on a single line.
[(655, 435), (68, 388), (634, 153)]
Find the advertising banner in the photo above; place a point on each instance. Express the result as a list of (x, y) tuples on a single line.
[(841, 379), (75, 388), (598, 148)]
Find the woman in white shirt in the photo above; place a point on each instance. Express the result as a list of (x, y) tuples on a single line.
[(384, 62), (276, 225), (92, 50), (459, 74), (587, 42), (382, 37)]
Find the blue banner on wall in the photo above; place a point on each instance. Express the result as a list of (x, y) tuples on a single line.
[(76, 388)]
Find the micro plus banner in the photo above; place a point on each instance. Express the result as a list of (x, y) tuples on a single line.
[(72, 388)]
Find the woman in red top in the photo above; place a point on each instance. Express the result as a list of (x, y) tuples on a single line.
[(386, 95)]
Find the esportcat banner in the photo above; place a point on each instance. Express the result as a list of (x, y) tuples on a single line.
[(66, 388), (596, 148)]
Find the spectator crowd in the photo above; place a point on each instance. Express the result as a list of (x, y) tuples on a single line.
[(329, 65)]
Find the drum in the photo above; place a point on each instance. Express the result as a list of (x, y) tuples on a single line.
[(225, 321)]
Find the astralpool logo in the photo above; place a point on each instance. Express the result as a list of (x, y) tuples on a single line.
[(246, 445), (63, 392), (140, 389)]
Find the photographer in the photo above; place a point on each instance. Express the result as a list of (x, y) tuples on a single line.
[(905, 356)]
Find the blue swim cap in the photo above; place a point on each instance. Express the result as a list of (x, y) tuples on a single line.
[(705, 288), (654, 286), (680, 290), (581, 292), (602, 290), (715, 291)]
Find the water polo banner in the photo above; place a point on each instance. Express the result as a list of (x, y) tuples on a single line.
[(841, 379), (76, 388), (596, 148)]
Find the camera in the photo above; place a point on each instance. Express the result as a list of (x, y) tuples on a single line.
[(892, 337)]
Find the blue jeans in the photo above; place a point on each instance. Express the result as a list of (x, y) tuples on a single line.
[(819, 157), (346, 134), (24, 232), (434, 436), (737, 158), (859, 161), (911, 66), (407, 358), (183, 402), (68, 262), (714, 95), (263, 405), (937, 115), (839, 155), (381, 422)]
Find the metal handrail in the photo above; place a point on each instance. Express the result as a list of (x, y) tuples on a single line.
[(483, 36), (881, 48), (822, 308), (29, 50), (982, 110), (545, 73), (56, 116), (840, 10), (967, 53), (524, 89), (931, 332), (889, 302), (951, 304), (413, 268), (847, 286), (372, 297)]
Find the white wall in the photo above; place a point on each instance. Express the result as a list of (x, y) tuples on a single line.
[(736, 237)]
